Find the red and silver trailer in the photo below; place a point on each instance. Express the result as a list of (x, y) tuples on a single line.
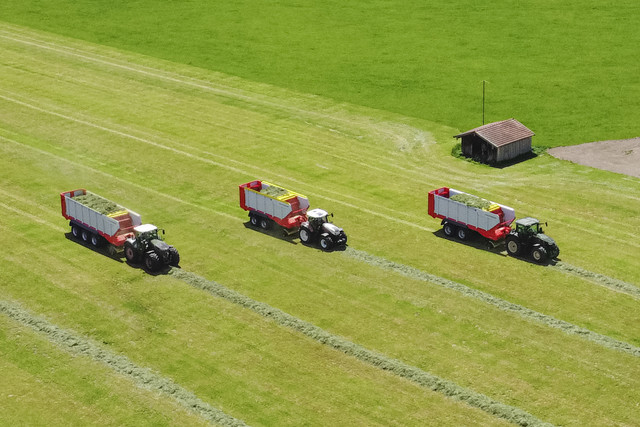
[(95, 227), (458, 218), (269, 203)]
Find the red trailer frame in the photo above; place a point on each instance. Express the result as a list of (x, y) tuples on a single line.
[(500, 215)]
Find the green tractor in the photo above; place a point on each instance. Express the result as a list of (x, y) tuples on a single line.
[(147, 246), (528, 238)]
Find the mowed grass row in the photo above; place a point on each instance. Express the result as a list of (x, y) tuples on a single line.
[(44, 385), (142, 377), (226, 356), (436, 330)]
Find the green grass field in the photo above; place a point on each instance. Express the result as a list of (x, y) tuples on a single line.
[(263, 329), (566, 70)]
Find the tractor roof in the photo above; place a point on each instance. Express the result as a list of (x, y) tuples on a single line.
[(317, 213), (145, 228), (528, 221)]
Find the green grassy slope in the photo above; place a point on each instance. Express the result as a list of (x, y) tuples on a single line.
[(567, 70), (173, 142)]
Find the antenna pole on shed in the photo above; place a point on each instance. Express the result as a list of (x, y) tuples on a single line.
[(483, 84)]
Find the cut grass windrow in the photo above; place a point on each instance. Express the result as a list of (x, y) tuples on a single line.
[(526, 313), (422, 378), (142, 377), (600, 279)]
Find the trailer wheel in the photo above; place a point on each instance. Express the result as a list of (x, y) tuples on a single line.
[(75, 230), (539, 254), (152, 261), (449, 230), (85, 235), (305, 235), (265, 223), (96, 240), (253, 219), (326, 243), (463, 233), (513, 246)]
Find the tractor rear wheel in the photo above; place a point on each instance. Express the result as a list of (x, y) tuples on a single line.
[(539, 254), (152, 261), (449, 230), (326, 243), (305, 235), (514, 247), (130, 253)]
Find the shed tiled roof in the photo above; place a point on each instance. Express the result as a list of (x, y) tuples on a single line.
[(500, 133)]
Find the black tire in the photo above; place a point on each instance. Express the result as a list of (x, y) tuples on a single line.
[(175, 257), (96, 240), (514, 247), (85, 235), (326, 243), (254, 220), (305, 235), (75, 231), (265, 223), (152, 261), (539, 254), (130, 253), (449, 229), (463, 233)]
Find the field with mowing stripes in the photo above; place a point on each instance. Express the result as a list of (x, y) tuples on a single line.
[(403, 327)]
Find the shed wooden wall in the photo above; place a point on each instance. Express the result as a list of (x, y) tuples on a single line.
[(513, 150)]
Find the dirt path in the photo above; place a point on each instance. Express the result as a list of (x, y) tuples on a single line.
[(621, 156)]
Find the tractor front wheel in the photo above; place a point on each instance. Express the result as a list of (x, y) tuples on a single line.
[(152, 261), (326, 243), (539, 254), (175, 257)]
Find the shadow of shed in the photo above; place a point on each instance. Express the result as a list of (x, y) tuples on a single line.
[(496, 142)]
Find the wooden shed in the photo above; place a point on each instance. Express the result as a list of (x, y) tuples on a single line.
[(496, 142)]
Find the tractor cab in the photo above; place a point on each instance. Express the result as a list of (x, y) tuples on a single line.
[(317, 217), (528, 226), (147, 232)]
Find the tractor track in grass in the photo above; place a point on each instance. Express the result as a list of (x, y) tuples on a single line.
[(142, 377), (519, 310), (405, 270), (206, 160), (416, 375), (20, 35)]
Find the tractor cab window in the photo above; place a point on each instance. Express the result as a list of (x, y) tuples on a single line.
[(149, 235), (318, 220)]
